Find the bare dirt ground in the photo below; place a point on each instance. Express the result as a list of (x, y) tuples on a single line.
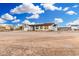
[(39, 43)]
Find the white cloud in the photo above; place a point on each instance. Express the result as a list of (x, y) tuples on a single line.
[(19, 24), (59, 8), (75, 6), (14, 17), (75, 22), (2, 21), (58, 20), (34, 16), (50, 6), (66, 8), (33, 23), (28, 22), (16, 21), (71, 12), (27, 8), (7, 17)]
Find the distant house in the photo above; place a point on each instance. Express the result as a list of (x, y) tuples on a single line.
[(2, 28), (75, 27), (64, 28), (40, 27), (5, 27)]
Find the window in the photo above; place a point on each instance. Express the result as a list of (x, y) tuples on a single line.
[(45, 27), (37, 27), (41, 27)]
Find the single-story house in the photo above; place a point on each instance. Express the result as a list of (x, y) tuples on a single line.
[(40, 27)]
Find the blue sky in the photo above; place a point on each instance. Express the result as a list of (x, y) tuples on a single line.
[(67, 12)]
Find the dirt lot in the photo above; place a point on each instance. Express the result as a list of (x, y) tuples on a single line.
[(39, 43)]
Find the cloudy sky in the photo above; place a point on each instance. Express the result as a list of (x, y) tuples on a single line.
[(17, 13)]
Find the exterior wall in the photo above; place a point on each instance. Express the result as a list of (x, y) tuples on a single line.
[(50, 27), (37, 27), (53, 28), (41, 28), (26, 27)]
